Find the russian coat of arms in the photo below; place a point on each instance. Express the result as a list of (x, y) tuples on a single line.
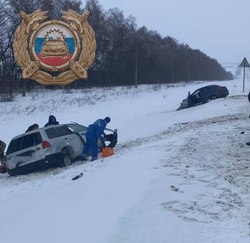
[(54, 52)]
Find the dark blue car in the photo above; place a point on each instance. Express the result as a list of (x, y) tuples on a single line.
[(203, 95)]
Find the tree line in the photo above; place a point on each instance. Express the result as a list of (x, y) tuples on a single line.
[(126, 54)]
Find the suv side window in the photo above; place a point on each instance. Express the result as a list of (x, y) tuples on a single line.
[(54, 132), (24, 142), (31, 140)]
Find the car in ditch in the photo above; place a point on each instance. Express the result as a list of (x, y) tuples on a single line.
[(204, 95), (58, 145)]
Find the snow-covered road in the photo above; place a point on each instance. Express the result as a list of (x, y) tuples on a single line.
[(176, 176)]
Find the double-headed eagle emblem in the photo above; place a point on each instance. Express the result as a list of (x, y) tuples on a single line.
[(54, 52)]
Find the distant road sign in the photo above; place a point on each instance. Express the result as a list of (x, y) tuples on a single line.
[(244, 63)]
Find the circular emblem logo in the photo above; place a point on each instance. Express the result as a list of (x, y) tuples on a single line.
[(54, 52), (54, 45)]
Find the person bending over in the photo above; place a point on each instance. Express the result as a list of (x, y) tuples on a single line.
[(94, 132)]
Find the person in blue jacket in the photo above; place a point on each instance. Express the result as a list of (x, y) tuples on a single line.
[(52, 121), (94, 132)]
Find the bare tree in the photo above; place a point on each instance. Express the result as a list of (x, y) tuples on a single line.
[(61, 5), (122, 49)]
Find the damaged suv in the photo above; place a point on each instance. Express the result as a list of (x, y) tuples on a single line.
[(42, 148), (45, 147)]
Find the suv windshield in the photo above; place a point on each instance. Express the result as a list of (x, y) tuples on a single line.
[(24, 142)]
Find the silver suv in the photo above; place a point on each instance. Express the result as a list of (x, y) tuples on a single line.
[(44, 147)]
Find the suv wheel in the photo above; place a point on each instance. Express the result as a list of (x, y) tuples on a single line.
[(66, 159)]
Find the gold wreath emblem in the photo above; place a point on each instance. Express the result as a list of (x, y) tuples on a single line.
[(73, 69)]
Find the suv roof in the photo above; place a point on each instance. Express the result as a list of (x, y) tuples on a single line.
[(34, 137)]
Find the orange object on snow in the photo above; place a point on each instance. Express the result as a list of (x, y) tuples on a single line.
[(107, 151)]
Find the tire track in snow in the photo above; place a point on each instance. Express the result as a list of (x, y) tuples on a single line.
[(225, 175)]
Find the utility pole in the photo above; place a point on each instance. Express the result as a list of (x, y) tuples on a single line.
[(189, 72), (172, 72), (23, 87), (136, 81)]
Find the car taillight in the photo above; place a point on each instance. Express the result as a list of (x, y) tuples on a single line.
[(45, 144)]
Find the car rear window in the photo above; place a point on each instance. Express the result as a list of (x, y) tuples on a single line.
[(24, 142), (54, 132)]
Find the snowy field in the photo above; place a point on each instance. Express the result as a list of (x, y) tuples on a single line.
[(176, 176)]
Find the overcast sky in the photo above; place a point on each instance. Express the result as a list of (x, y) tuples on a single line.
[(219, 28)]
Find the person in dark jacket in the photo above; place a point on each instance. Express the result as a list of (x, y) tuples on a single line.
[(52, 121), (2, 148), (32, 127), (94, 132)]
